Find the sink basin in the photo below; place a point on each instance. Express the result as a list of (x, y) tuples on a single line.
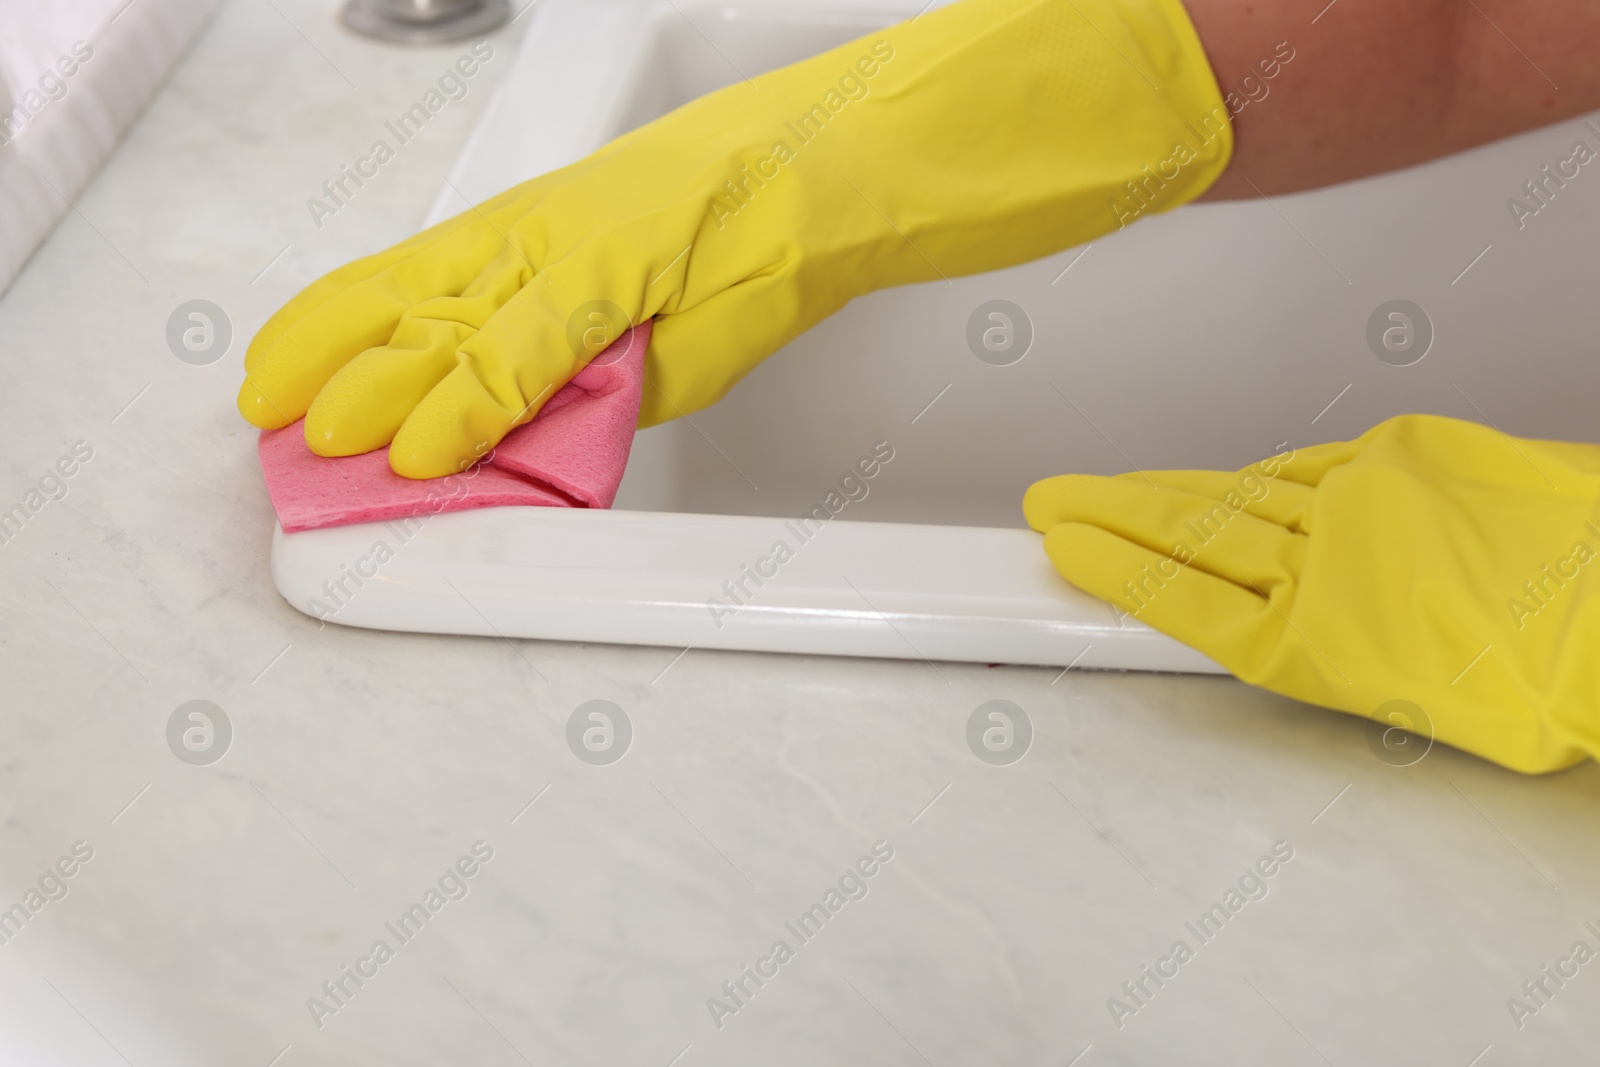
[(1204, 338)]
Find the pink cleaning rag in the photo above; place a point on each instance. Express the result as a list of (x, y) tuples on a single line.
[(571, 455)]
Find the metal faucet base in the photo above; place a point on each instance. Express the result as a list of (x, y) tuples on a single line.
[(371, 18)]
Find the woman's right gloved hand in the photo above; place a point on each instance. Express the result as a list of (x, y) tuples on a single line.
[(977, 136), (1433, 575)]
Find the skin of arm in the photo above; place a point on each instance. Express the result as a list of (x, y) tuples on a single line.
[(1376, 85)]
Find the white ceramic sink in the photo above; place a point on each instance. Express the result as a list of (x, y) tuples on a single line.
[(1198, 339)]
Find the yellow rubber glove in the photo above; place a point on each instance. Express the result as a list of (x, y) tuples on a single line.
[(1431, 560), (977, 136)]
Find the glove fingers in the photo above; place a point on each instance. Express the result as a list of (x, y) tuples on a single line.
[(500, 210), (503, 373), (1272, 499), (337, 281), (1308, 466), (533, 344), (287, 367), (318, 293), (456, 424), (367, 400), (1186, 529), (539, 340), (1230, 624)]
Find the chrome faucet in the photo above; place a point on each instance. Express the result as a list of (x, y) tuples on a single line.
[(425, 21)]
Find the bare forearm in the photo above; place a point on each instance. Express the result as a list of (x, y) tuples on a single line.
[(1374, 85)]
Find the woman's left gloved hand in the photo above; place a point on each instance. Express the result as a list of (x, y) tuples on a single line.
[(1431, 560)]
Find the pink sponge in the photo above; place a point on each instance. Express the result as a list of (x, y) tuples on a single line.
[(571, 455)]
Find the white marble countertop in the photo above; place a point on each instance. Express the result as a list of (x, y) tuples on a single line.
[(1018, 899)]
